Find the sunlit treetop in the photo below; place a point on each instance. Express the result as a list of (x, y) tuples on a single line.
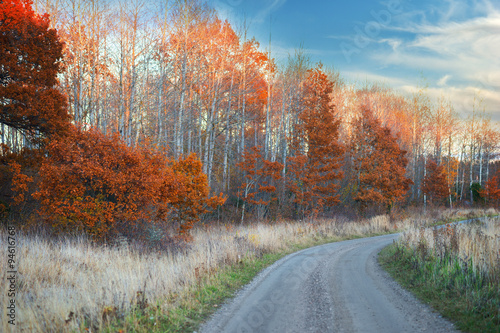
[(30, 55)]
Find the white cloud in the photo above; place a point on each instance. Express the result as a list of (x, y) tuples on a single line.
[(465, 47), (394, 43), (462, 44), (442, 81), (462, 98), (477, 37)]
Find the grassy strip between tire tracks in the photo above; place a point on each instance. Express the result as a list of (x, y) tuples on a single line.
[(465, 297)]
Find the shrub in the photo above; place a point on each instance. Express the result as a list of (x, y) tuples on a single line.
[(97, 184)]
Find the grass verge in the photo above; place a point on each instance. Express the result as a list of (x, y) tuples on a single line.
[(451, 286)]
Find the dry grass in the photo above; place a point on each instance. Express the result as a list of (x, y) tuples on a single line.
[(475, 245), (70, 284)]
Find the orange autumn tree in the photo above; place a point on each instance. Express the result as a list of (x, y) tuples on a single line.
[(30, 55), (32, 109), (99, 185), (491, 191), (379, 163), (259, 183), (192, 193), (435, 184), (314, 168)]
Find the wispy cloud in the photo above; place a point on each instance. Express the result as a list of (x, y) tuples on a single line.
[(442, 81), (264, 13), (394, 43), (460, 48), (239, 10)]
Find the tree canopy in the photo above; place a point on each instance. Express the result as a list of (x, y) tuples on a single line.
[(30, 59), (317, 151), (379, 162)]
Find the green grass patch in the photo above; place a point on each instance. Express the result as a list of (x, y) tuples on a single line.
[(467, 298)]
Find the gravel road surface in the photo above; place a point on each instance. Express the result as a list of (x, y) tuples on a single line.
[(336, 287)]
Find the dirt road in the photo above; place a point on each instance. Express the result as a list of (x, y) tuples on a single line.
[(335, 287)]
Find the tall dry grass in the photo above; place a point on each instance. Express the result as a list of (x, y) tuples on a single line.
[(69, 284), (473, 246)]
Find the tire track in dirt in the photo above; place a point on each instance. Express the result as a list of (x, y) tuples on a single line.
[(336, 287)]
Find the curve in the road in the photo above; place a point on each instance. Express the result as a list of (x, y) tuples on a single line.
[(336, 287)]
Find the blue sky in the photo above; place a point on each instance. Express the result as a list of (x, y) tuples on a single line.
[(453, 46)]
